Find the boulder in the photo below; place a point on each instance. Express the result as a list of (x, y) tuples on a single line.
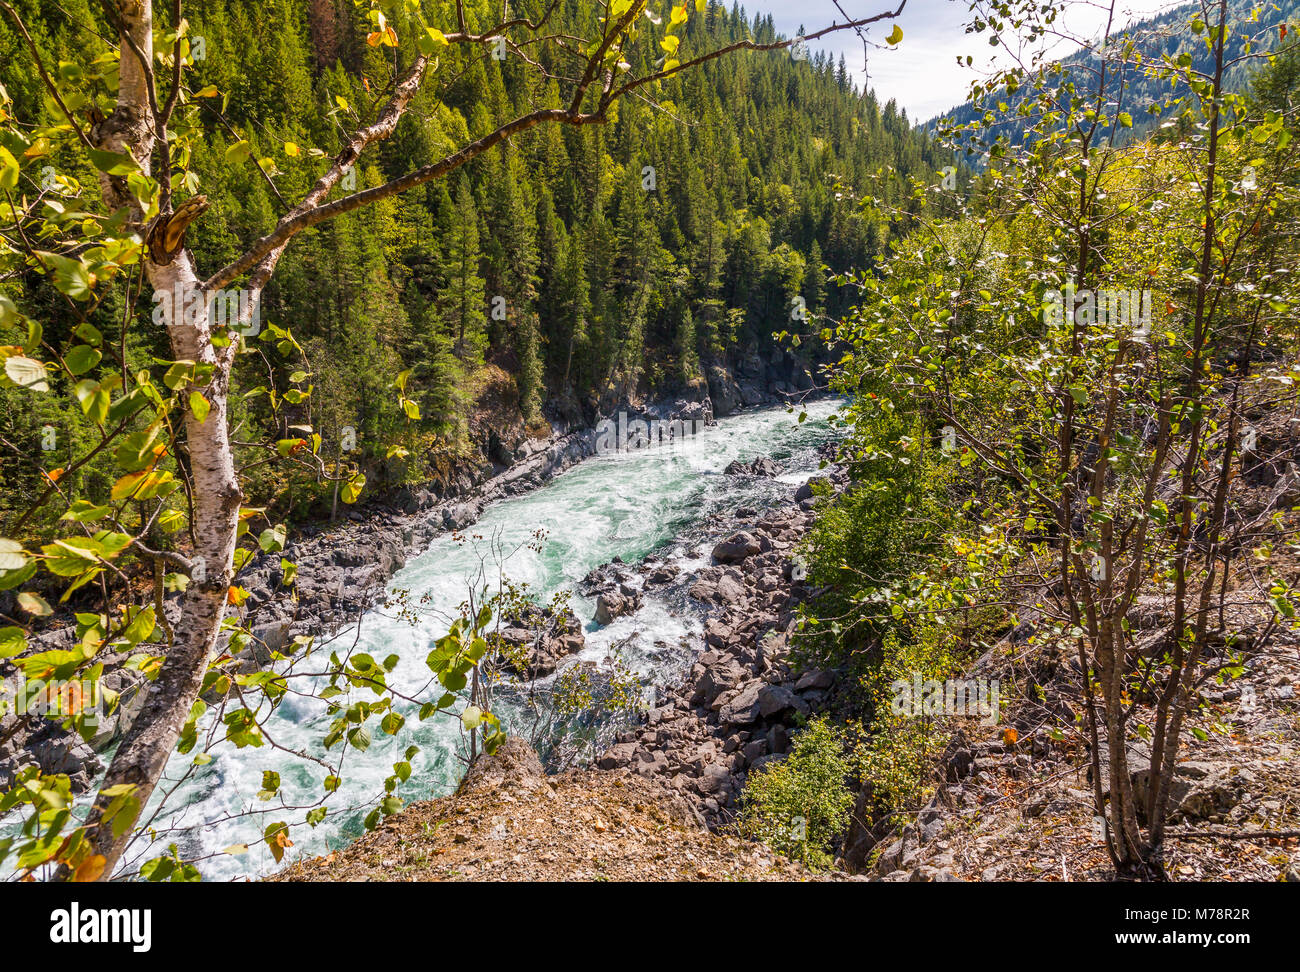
[(763, 466), (514, 765), (545, 638), (66, 753), (615, 604), (814, 679), (723, 391), (805, 492), (743, 709), (729, 589), (736, 548), (775, 700)]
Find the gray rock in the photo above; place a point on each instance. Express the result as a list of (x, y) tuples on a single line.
[(815, 679), (744, 709), (774, 700), (805, 491), (65, 754), (736, 548), (270, 637), (723, 391), (729, 589)]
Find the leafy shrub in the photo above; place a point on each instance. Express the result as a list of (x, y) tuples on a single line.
[(801, 804)]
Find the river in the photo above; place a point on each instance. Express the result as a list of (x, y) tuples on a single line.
[(626, 506)]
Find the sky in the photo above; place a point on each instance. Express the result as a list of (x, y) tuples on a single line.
[(921, 74)]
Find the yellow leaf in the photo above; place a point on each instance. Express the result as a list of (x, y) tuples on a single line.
[(291, 149), (127, 485), (679, 16), (91, 869), (895, 35), (199, 406)]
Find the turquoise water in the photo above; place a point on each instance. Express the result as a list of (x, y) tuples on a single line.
[(624, 506)]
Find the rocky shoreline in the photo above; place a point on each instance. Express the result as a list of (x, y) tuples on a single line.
[(738, 703)]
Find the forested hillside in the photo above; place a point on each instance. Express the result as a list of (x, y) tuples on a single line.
[(568, 270), (1132, 56)]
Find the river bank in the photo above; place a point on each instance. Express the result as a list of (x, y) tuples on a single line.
[(736, 706)]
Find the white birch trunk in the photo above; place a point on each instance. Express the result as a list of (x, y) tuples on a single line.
[(149, 743)]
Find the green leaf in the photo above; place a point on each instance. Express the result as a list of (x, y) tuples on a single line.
[(352, 488), (172, 521), (277, 838), (272, 540), (136, 450), (84, 511), (141, 627), (81, 359), (9, 313), (89, 333), (13, 642), (34, 604), (95, 397), (241, 151), (270, 785), (71, 276), (113, 163), (12, 555), (431, 40)]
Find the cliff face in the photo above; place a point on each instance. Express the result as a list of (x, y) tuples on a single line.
[(509, 821)]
